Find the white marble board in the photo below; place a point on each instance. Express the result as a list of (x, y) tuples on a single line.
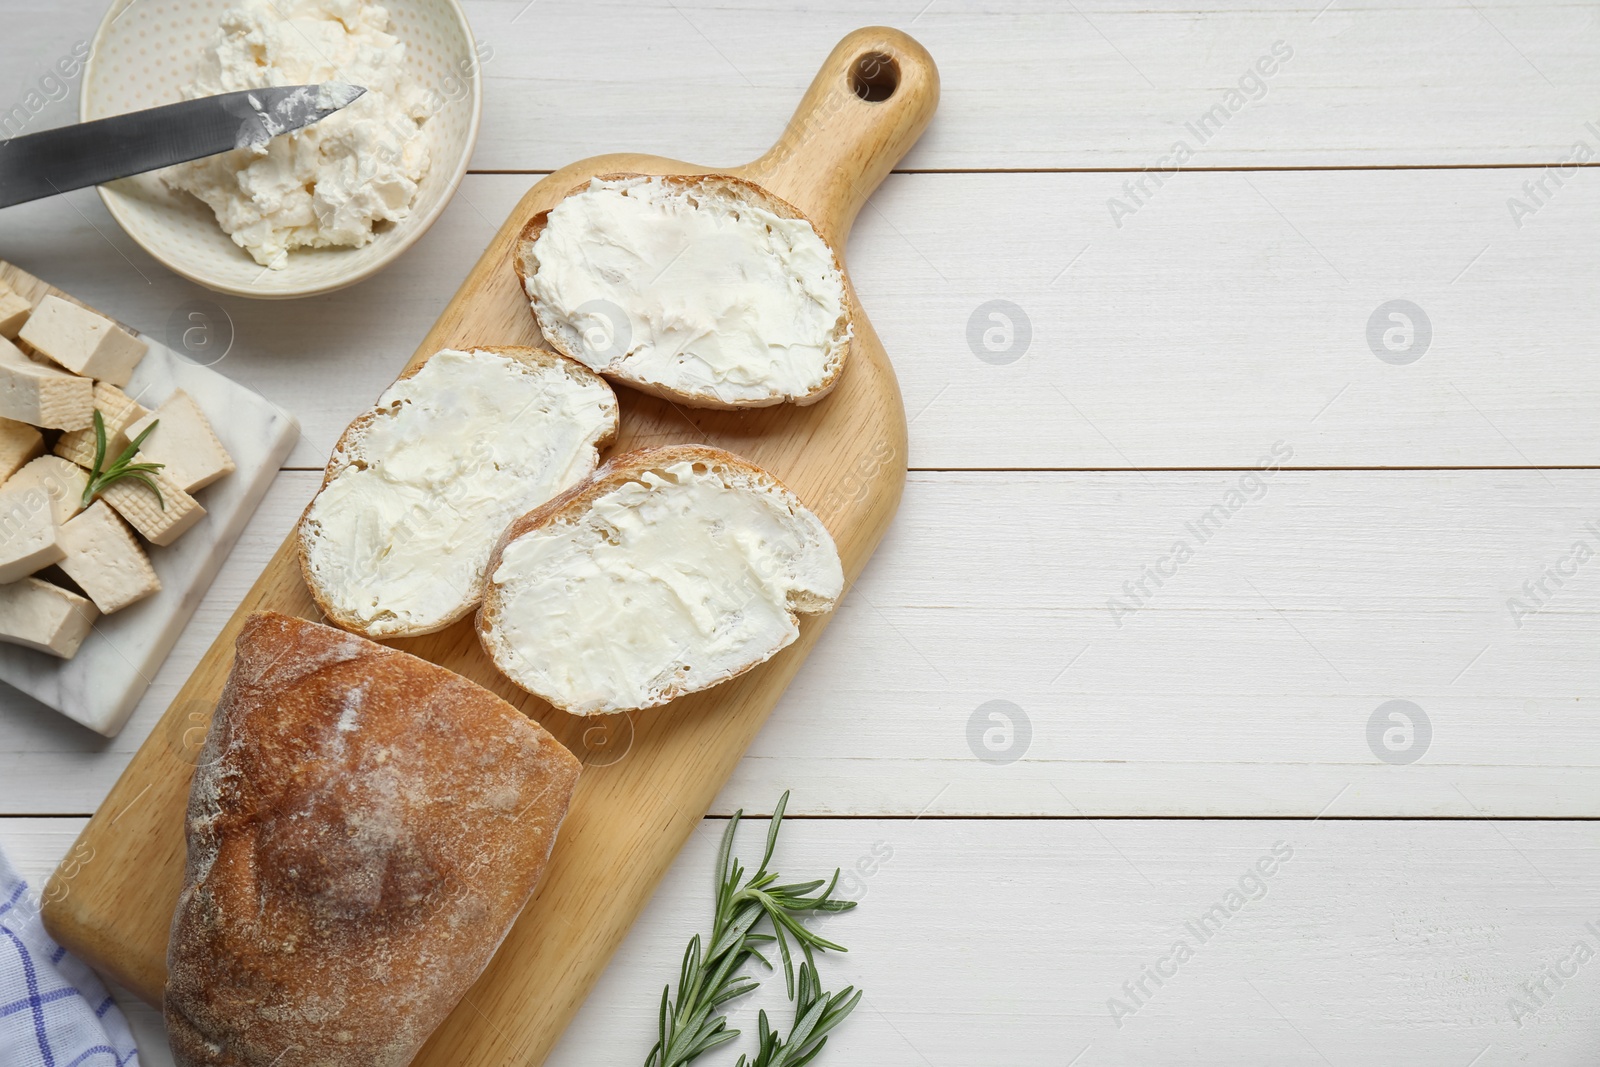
[(101, 684)]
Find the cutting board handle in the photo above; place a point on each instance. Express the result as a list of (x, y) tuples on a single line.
[(865, 109)]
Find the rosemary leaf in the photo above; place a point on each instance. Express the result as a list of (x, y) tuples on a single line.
[(815, 1014), (750, 913), (102, 477)]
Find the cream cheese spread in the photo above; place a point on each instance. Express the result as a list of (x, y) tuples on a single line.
[(690, 288), (674, 580), (331, 183), (398, 540)]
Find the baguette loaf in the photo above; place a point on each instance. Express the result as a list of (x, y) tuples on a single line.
[(705, 289), (670, 571), (420, 487), (363, 829)]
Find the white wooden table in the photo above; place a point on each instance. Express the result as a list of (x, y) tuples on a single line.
[(1163, 343)]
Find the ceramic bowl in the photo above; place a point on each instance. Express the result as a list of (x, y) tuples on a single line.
[(146, 50)]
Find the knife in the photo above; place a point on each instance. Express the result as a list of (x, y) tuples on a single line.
[(89, 153)]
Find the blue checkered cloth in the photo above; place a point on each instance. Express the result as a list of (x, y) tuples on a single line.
[(54, 1012)]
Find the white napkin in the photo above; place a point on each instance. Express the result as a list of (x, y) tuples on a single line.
[(54, 1012)]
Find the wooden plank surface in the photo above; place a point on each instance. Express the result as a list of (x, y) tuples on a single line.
[(1387, 943), (1208, 310), (1225, 314), (1031, 83), (1243, 686)]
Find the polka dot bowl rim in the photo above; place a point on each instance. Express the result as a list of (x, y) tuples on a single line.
[(150, 219)]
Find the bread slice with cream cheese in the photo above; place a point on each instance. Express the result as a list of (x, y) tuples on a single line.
[(420, 488), (669, 571), (705, 289)]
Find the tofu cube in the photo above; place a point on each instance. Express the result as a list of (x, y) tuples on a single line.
[(60, 479), (19, 443), (105, 560), (46, 617), (118, 410), (82, 341), (14, 309), (185, 442), (29, 537), (161, 520), (42, 395)]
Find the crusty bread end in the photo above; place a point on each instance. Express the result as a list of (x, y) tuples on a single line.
[(363, 829)]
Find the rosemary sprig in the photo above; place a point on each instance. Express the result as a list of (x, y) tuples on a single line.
[(815, 1013), (102, 477), (710, 978)]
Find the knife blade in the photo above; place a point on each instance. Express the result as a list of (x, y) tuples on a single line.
[(90, 153)]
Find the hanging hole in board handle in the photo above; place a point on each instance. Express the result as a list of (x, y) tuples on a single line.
[(874, 76), (869, 102)]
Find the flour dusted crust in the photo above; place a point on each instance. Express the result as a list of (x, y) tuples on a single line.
[(573, 506), (526, 264), (363, 829), (347, 452)]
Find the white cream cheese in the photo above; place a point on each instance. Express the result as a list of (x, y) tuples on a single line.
[(398, 541), (692, 289), (334, 181), (674, 580)]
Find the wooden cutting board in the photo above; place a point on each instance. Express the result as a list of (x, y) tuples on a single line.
[(648, 779)]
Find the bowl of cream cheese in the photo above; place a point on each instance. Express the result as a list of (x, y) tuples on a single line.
[(311, 211)]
